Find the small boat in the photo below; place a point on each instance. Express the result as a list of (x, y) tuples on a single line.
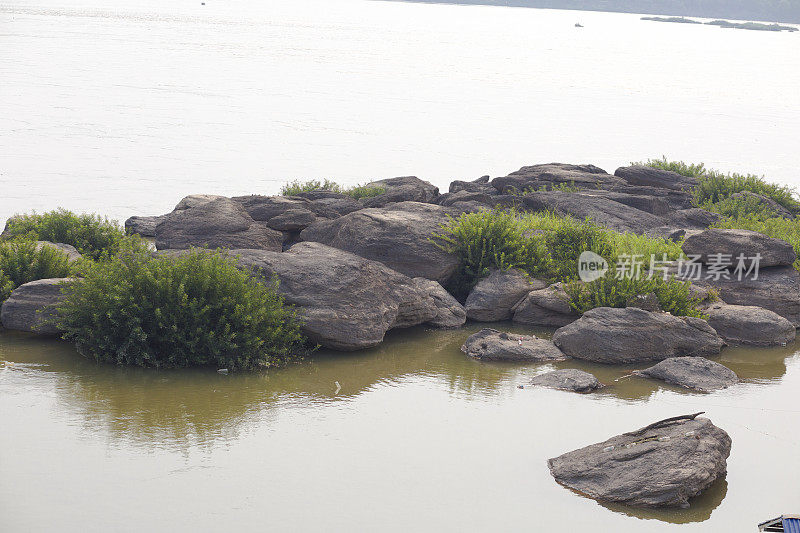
[(578, 25)]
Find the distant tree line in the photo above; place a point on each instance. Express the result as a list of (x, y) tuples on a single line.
[(761, 10)]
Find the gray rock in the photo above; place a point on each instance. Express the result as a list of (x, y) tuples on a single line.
[(492, 345), (292, 220), (748, 324), (656, 177), (654, 205), (31, 307), (547, 307), (632, 335), (398, 236), (658, 467), (346, 302), (66, 249), (676, 199), (403, 189), (696, 373), (144, 226), (265, 208), (195, 200), (449, 313), (465, 196), (774, 252), (220, 223), (602, 210), (479, 185), (763, 201), (536, 177), (570, 379), (776, 289), (693, 218), (495, 296), (340, 204)]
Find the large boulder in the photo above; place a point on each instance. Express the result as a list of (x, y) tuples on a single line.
[(67, 249), (495, 296), (346, 302), (144, 226), (492, 345), (479, 185), (548, 307), (449, 313), (266, 208), (31, 306), (655, 205), (398, 236), (604, 211), (220, 223), (656, 177), (748, 324), (546, 176), (195, 200), (403, 189), (733, 242), (632, 335), (662, 465), (569, 379), (696, 373), (776, 289)]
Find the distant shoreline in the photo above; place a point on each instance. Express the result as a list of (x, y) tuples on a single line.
[(757, 26)]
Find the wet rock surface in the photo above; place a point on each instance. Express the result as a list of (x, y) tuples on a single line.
[(696, 373), (748, 324), (493, 345), (569, 379)]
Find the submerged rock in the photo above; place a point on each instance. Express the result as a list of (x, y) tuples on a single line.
[(662, 465), (31, 307), (492, 345), (345, 301), (493, 297), (748, 324), (696, 373), (547, 307), (632, 335), (449, 313), (570, 379), (732, 242)]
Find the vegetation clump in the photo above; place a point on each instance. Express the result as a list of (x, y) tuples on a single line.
[(198, 308), (96, 237), (22, 261), (356, 191)]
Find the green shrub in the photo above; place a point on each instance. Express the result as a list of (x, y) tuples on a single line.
[(198, 308), (631, 244), (90, 234), (778, 228), (741, 207), (566, 243), (357, 191), (563, 187), (685, 169), (21, 262), (610, 291), (715, 187)]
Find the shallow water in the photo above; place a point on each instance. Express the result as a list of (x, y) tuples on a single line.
[(123, 108), (419, 437)]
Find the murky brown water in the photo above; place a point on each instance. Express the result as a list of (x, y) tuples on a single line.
[(418, 438)]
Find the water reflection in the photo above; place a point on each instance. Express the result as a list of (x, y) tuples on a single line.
[(699, 510)]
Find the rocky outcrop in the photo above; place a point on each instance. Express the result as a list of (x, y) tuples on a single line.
[(267, 208), (292, 220), (449, 313), (632, 335), (346, 302), (663, 465), (31, 307), (748, 324), (696, 373), (479, 185), (403, 189), (569, 379), (492, 345), (495, 296), (693, 218), (66, 249), (144, 226), (195, 200), (656, 177), (537, 177), (733, 242), (548, 307), (398, 236), (220, 223)]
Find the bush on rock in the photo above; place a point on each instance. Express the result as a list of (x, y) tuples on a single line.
[(22, 261)]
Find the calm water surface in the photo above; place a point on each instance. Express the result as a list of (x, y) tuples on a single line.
[(419, 438)]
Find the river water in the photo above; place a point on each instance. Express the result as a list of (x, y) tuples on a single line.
[(124, 107)]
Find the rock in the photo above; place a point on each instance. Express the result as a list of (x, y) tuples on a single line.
[(602, 210), (449, 313), (764, 202), (774, 252), (465, 196), (569, 379), (493, 297), (144, 226), (404, 189), (663, 466), (221, 223), (195, 200), (292, 220), (696, 373), (31, 306), (748, 324), (341, 205), (694, 218), (547, 307), (492, 345), (649, 204), (67, 249), (265, 208), (776, 289), (632, 335), (346, 302), (479, 185), (676, 199), (398, 236), (656, 177), (546, 176)]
